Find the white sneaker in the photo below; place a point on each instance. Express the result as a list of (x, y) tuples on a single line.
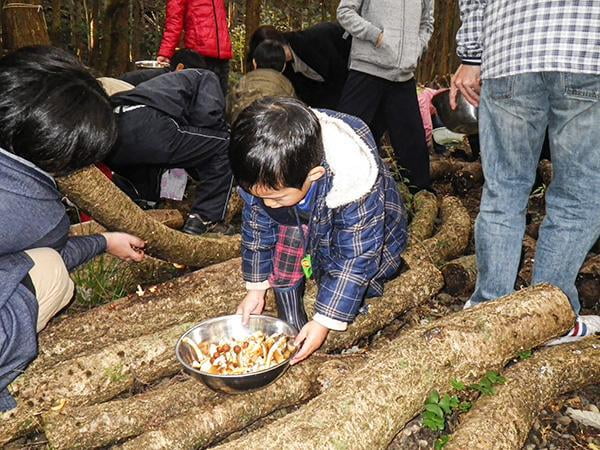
[(585, 326)]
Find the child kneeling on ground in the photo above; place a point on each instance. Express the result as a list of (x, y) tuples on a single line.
[(319, 202)]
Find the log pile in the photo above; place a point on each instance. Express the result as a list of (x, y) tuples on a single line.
[(503, 421)]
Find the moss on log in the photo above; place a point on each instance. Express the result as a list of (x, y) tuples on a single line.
[(377, 400), (460, 275), (503, 421), (423, 222), (94, 193), (408, 290), (449, 242), (203, 425), (171, 218), (209, 292)]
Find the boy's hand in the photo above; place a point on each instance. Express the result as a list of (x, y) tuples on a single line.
[(124, 246), (253, 303), (313, 334)]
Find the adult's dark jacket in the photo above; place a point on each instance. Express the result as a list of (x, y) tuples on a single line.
[(31, 216), (190, 97), (324, 48), (139, 76)]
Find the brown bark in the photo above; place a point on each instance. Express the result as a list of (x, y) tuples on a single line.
[(252, 20), (460, 275), (467, 178), (94, 193), (426, 210), (545, 171), (443, 168), (449, 242), (234, 208), (188, 412), (440, 58), (171, 218), (115, 45), (503, 421), (23, 24), (588, 282), (378, 399), (527, 260)]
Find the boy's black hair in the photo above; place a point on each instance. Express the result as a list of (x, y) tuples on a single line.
[(189, 58), (261, 34), (269, 55), (275, 143), (53, 112)]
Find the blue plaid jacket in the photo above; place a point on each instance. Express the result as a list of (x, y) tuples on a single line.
[(354, 248)]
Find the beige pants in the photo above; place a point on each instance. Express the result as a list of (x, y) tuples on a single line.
[(53, 286)]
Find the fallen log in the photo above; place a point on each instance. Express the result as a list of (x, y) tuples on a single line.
[(171, 218), (460, 275), (209, 292), (92, 192), (234, 208), (450, 241), (443, 168), (588, 282), (467, 178), (378, 399), (503, 421), (189, 414), (423, 222)]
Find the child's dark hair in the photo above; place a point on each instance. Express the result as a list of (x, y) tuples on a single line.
[(275, 143), (261, 34), (269, 55), (189, 58), (53, 112)]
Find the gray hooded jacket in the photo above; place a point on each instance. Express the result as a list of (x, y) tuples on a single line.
[(406, 25)]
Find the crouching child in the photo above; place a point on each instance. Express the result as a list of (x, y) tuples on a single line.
[(319, 202)]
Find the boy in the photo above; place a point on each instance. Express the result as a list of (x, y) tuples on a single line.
[(265, 80), (319, 172)]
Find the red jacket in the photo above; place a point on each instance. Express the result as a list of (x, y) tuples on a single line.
[(204, 24)]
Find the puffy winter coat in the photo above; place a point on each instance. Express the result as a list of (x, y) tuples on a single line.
[(204, 24)]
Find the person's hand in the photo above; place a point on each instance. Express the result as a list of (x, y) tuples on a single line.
[(379, 41), (312, 335), (163, 60), (467, 80), (124, 246), (253, 303)]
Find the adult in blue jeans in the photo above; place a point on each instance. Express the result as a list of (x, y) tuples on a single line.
[(531, 65)]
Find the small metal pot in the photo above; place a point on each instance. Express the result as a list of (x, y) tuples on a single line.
[(230, 327), (149, 64), (463, 119)]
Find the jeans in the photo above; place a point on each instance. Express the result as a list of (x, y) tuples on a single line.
[(513, 116)]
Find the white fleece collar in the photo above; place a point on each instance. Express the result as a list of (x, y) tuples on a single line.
[(350, 159)]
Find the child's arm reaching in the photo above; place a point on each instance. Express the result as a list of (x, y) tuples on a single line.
[(259, 236)]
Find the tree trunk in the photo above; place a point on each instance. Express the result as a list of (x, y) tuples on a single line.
[(23, 24), (91, 191), (188, 412), (440, 58), (503, 421), (527, 260), (56, 24), (460, 275), (252, 20), (444, 168), (422, 224), (375, 401), (115, 46), (450, 241), (171, 218)]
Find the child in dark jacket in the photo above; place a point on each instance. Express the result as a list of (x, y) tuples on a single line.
[(319, 202)]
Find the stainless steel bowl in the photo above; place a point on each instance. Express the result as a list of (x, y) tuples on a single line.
[(149, 64), (463, 119), (230, 327)]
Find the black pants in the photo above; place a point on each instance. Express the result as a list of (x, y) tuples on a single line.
[(392, 106), (150, 141), (221, 68)]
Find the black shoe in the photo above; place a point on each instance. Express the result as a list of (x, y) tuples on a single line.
[(290, 304), (195, 225)]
